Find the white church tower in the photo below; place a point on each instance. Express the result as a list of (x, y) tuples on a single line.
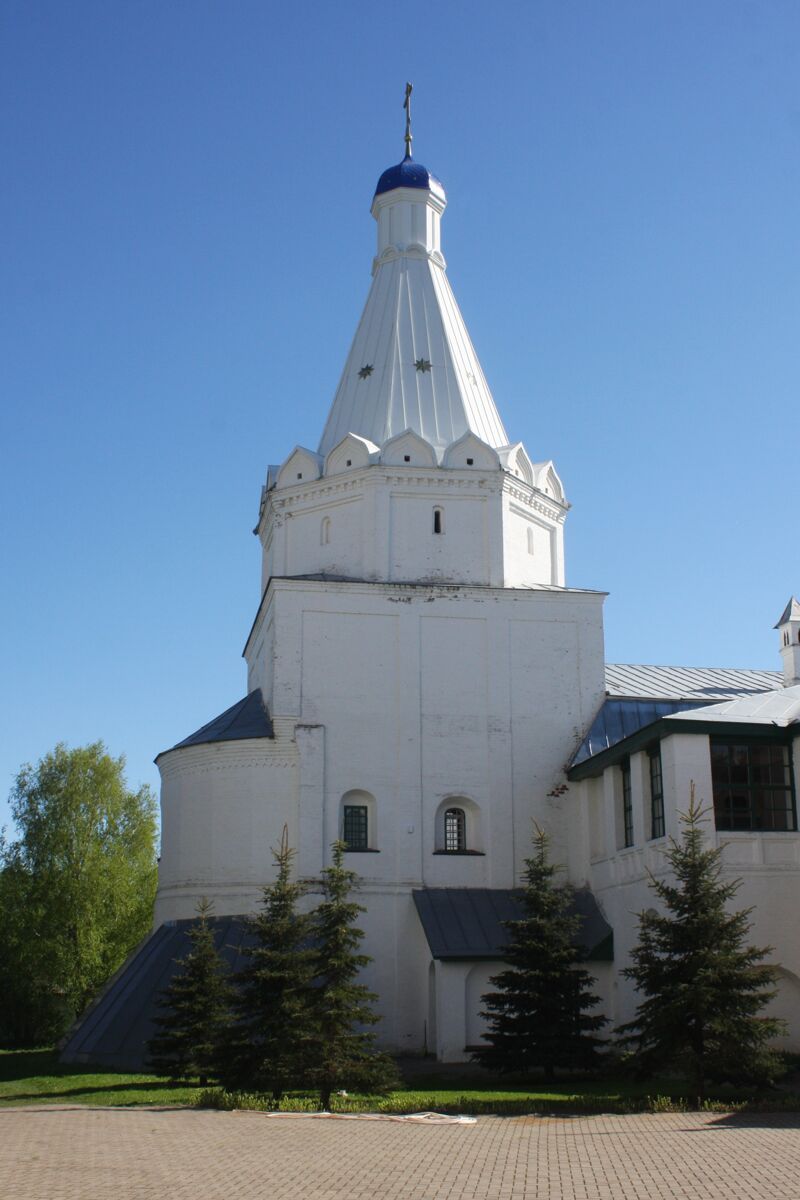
[(788, 628), (418, 673)]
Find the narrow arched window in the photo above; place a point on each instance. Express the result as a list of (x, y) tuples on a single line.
[(325, 531), (355, 826), (438, 520), (455, 829), (530, 540)]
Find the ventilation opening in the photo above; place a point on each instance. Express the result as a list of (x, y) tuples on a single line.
[(349, 462), (299, 474), (470, 462), (438, 520), (406, 458)]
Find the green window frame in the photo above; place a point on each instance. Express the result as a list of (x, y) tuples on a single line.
[(657, 825), (627, 803), (753, 785), (355, 826)]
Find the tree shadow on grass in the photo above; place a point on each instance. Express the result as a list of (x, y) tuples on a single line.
[(66, 1092)]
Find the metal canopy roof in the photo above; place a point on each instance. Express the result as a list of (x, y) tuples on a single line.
[(618, 719), (468, 923)]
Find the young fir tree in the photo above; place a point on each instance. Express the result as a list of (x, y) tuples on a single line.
[(197, 1009), (704, 987), (270, 1045), (539, 1016), (345, 1054)]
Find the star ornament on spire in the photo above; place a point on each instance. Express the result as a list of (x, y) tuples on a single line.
[(422, 364)]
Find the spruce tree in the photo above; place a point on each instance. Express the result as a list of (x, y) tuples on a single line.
[(197, 1009), (704, 987), (345, 1054), (270, 1045), (538, 1018)]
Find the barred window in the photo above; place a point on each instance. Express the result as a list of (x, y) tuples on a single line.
[(656, 794), (355, 827), (753, 785), (455, 829), (627, 804)]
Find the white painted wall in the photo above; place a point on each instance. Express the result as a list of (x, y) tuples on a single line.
[(419, 695), (379, 523), (768, 865)]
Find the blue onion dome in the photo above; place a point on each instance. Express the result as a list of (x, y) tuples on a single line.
[(408, 174)]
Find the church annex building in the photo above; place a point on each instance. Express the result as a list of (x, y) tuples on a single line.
[(422, 683)]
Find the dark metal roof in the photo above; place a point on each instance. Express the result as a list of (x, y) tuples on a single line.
[(247, 719), (618, 719), (468, 923), (115, 1029)]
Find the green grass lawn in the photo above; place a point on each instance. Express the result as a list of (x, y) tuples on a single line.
[(37, 1077)]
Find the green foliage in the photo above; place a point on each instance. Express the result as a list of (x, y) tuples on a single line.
[(704, 987), (271, 1043), (38, 1077), (538, 1018), (344, 1054), (76, 887), (197, 1005)]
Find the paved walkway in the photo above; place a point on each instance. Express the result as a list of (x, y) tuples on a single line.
[(80, 1153)]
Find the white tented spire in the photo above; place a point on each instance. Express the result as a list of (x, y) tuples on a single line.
[(412, 364)]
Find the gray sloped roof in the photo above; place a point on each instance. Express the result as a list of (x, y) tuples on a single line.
[(114, 1031), (790, 613), (687, 683), (248, 718), (777, 709), (468, 923)]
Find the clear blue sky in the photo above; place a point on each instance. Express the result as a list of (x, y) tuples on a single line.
[(186, 247)]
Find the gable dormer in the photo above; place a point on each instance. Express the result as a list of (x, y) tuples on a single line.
[(470, 453), (408, 449), (351, 453), (515, 460), (546, 479), (300, 467)]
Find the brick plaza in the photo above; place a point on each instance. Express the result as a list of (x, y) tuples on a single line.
[(81, 1153)]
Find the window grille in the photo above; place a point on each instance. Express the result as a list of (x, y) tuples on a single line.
[(753, 786), (656, 794), (355, 827), (455, 829), (627, 804)]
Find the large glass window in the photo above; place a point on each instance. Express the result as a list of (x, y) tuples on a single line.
[(753, 787), (656, 794), (627, 804), (355, 827)]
